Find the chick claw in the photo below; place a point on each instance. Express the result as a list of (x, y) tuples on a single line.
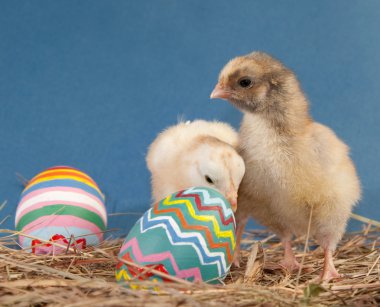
[(327, 276), (290, 264), (236, 259)]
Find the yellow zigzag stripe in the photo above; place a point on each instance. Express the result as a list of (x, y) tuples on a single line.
[(225, 234), (122, 274)]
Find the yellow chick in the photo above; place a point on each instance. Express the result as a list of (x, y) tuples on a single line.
[(293, 164), (197, 153)]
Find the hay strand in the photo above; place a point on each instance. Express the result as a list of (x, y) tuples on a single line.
[(87, 278)]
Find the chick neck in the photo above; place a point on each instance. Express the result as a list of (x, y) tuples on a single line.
[(286, 111)]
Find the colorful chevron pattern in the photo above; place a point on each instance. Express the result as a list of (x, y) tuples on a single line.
[(190, 234), (61, 202)]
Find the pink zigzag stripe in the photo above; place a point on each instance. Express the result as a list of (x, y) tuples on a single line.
[(156, 258)]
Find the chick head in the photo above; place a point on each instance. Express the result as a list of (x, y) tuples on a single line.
[(215, 164), (254, 82)]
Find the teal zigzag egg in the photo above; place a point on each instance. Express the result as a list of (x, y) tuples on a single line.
[(64, 205), (189, 234)]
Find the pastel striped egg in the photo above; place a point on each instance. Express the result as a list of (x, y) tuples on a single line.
[(189, 234), (64, 205)]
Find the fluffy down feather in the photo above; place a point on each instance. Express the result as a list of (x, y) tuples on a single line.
[(293, 164), (197, 153)]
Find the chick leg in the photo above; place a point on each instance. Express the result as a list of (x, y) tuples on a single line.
[(329, 271), (289, 261), (328, 237), (239, 233)]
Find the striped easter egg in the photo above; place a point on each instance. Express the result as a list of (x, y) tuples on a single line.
[(189, 234), (64, 205)]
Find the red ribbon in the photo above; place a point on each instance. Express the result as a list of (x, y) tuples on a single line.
[(80, 243)]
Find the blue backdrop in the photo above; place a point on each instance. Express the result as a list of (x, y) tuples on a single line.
[(90, 83)]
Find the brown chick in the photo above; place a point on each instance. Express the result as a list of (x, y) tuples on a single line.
[(293, 164)]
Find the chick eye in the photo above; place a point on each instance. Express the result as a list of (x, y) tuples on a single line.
[(208, 179), (245, 82)]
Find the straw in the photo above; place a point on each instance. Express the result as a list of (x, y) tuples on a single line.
[(88, 278)]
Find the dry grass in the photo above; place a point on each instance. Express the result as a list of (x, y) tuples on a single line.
[(88, 278)]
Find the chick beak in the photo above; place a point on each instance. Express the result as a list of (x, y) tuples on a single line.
[(220, 92), (232, 198)]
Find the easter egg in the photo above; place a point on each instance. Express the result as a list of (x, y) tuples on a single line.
[(64, 205), (189, 234)]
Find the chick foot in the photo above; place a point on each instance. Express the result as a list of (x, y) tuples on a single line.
[(289, 261), (329, 271), (290, 265)]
